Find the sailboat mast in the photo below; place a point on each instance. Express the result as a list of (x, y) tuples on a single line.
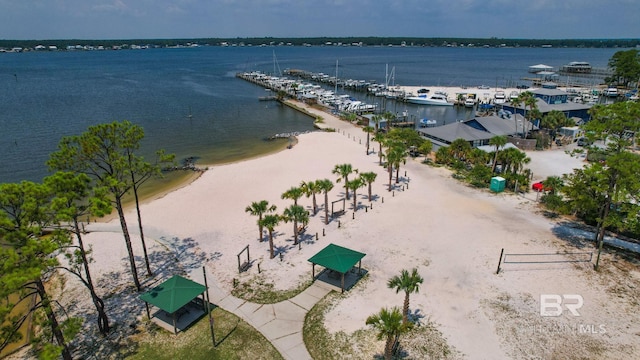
[(336, 87)]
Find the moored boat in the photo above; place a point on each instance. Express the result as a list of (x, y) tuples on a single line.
[(426, 99), (610, 92), (427, 122)]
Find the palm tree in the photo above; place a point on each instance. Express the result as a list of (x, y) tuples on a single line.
[(519, 159), (389, 116), (343, 171), (325, 185), (553, 184), (516, 104), (368, 130), (354, 185), (376, 121), (409, 283), (259, 208), (270, 221), (369, 178), (393, 155), (389, 326), (527, 99), (497, 141), (460, 149), (478, 157), (311, 188), (399, 157), (294, 193), (350, 117), (296, 214), (553, 120), (426, 148), (380, 138)]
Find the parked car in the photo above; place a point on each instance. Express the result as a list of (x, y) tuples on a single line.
[(583, 141), (539, 186)]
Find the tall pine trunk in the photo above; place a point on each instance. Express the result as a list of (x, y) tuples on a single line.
[(127, 240), (144, 245), (51, 316), (103, 320), (135, 194)]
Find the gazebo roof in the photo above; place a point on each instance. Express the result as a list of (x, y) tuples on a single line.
[(173, 294), (337, 258)]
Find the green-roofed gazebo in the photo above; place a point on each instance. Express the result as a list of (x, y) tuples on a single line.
[(337, 258), (172, 295)]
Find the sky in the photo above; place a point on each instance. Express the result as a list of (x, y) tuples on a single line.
[(154, 19)]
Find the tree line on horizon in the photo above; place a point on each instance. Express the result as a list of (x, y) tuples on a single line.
[(318, 41)]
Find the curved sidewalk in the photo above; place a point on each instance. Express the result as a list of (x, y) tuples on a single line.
[(281, 323)]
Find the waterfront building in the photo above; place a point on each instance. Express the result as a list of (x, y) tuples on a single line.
[(548, 100)]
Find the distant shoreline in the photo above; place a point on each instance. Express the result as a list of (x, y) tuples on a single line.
[(24, 45)]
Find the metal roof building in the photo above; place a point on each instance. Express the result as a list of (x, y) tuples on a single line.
[(476, 131)]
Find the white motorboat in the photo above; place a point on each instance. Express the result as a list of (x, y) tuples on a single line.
[(469, 102), (610, 92), (426, 99), (427, 122)]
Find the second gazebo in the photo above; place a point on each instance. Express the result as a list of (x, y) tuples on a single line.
[(337, 259)]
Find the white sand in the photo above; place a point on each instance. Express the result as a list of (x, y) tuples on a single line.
[(453, 234)]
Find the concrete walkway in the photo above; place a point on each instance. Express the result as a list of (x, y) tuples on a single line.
[(281, 323)]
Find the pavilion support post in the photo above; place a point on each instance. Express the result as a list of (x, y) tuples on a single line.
[(360, 267), (146, 304), (313, 272), (208, 308), (342, 283), (175, 324)]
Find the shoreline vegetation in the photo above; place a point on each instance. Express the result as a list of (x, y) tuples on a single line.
[(9, 45)]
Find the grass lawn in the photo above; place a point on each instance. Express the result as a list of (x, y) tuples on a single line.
[(235, 339)]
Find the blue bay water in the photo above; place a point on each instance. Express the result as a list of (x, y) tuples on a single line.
[(47, 95)]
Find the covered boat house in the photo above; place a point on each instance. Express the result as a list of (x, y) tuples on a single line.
[(337, 260)]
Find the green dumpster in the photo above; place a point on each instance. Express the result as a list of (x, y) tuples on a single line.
[(497, 184)]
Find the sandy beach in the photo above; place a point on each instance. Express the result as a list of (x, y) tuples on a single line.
[(452, 233)]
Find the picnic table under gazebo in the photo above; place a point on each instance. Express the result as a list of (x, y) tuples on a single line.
[(337, 258), (175, 299)]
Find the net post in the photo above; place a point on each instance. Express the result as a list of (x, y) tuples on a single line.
[(500, 261)]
